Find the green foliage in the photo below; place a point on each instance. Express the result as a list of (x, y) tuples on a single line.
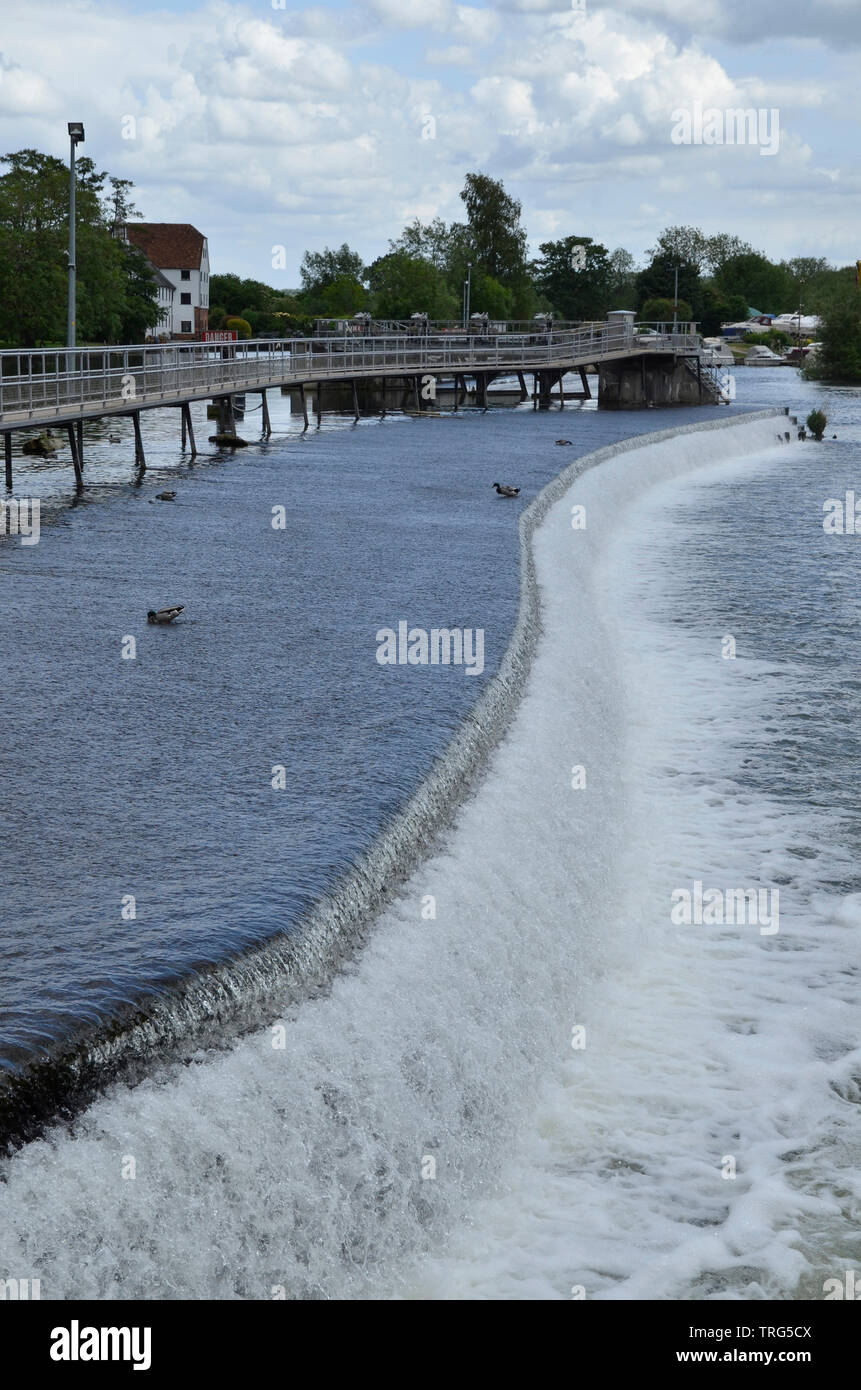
[(839, 357), (404, 284), (717, 309), (343, 296), (581, 293), (622, 279), (816, 422), (662, 310), (240, 326), (775, 338), (488, 296), (765, 286), (116, 292), (657, 281), (237, 295), (320, 269), (496, 238)]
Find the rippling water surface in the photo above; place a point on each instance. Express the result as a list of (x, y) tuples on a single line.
[(150, 778)]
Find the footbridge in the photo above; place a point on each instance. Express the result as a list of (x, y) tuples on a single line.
[(62, 388)]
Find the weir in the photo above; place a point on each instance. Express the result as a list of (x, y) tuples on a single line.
[(222, 1001)]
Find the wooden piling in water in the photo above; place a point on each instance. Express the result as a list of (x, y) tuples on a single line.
[(79, 430), (318, 401), (7, 454), (524, 394), (188, 429), (76, 458), (304, 401), (561, 392), (267, 427), (140, 456)]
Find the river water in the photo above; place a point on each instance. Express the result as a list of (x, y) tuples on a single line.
[(424, 1127)]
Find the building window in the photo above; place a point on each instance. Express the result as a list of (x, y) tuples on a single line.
[(185, 326), (185, 299), (185, 274)]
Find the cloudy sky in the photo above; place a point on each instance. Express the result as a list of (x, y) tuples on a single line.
[(268, 123)]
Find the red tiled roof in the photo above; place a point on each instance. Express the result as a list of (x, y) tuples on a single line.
[(169, 245)]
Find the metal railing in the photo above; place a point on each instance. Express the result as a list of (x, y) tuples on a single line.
[(40, 386)]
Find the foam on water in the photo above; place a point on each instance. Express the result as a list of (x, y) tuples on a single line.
[(301, 1166)]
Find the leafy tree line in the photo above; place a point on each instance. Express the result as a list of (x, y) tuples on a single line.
[(116, 297), (720, 278), (575, 277)]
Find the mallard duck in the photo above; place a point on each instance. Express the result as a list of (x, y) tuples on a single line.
[(164, 615), (165, 496), (504, 490), (562, 441), (114, 439)]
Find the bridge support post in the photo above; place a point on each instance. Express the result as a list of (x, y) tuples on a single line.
[(76, 458), (140, 456), (304, 401), (318, 402), (188, 430), (534, 390), (355, 399), (416, 397), (7, 455), (267, 427), (561, 392), (587, 394), (524, 394), (79, 430)]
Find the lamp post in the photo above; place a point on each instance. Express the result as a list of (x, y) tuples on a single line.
[(466, 290), (76, 137), (676, 301)]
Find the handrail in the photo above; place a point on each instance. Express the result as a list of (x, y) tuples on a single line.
[(46, 383)]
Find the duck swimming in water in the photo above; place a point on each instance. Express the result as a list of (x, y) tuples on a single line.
[(164, 615), (504, 490)]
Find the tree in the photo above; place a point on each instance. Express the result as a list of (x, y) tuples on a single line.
[(319, 269), (663, 310), (687, 244), (717, 309), (496, 237), (575, 276), (343, 296), (116, 292), (765, 286), (658, 280), (622, 274), (488, 296), (403, 284), (839, 357), (430, 241), (237, 294)]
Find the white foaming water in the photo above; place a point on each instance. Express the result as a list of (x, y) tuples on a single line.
[(302, 1167)]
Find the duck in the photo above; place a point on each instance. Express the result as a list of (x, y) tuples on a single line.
[(114, 439), (164, 615), (165, 496), (562, 441), (505, 490)]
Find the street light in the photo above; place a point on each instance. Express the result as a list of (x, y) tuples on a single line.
[(76, 137), (466, 286)]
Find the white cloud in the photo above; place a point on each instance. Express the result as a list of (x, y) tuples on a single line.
[(305, 127)]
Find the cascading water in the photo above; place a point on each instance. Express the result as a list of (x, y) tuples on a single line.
[(328, 1152)]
